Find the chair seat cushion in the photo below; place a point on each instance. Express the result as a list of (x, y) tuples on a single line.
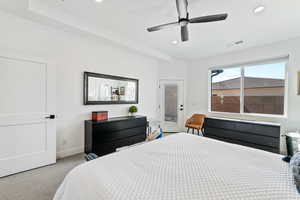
[(193, 126)]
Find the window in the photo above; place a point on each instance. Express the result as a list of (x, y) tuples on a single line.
[(253, 88), (226, 90)]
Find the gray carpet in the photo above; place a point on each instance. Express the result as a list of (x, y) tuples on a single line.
[(38, 184)]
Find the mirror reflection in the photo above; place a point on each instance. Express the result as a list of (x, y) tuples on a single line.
[(106, 89)]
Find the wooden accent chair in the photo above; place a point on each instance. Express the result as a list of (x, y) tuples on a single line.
[(195, 122)]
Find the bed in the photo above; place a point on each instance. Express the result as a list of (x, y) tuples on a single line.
[(182, 167)]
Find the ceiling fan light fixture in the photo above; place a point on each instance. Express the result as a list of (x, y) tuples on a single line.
[(259, 9)]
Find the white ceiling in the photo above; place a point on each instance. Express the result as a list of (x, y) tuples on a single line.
[(127, 20)]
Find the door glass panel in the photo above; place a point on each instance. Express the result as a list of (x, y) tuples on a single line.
[(171, 102)]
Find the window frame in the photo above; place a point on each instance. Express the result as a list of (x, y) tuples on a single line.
[(242, 67)]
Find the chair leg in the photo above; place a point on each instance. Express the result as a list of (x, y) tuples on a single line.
[(193, 131), (198, 132), (188, 130), (202, 132)]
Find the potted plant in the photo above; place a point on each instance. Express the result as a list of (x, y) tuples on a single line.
[(133, 110)]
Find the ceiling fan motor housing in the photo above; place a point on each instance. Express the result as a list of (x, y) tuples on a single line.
[(184, 21)]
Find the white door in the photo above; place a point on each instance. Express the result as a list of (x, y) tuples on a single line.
[(27, 134), (171, 105)]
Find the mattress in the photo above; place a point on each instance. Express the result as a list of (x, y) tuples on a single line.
[(182, 167)]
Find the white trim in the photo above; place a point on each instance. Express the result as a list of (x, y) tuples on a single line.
[(242, 67), (23, 56), (248, 121), (286, 90), (161, 118), (209, 89), (170, 79), (69, 152), (242, 90), (284, 58), (250, 114)]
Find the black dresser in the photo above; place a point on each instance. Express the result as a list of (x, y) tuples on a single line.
[(104, 137), (264, 136)]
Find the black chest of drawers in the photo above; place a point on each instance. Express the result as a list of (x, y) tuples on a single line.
[(257, 135), (104, 137)]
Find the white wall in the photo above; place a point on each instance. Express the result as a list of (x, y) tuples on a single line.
[(74, 54), (198, 80), (176, 69)]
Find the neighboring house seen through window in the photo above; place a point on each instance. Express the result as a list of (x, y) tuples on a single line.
[(256, 88)]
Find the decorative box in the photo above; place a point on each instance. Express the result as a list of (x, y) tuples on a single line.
[(99, 115)]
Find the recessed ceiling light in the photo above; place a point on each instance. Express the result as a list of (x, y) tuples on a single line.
[(175, 42), (98, 1), (259, 9)]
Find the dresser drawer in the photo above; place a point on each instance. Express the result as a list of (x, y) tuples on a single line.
[(270, 131), (221, 124), (257, 129), (110, 147), (106, 136), (119, 125), (245, 137), (262, 147)]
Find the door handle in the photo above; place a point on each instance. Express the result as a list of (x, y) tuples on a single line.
[(181, 107), (50, 117)]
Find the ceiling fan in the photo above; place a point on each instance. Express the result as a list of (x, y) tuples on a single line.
[(184, 20)]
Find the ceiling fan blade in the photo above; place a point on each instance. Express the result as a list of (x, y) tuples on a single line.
[(163, 26), (184, 33), (209, 18), (182, 8)]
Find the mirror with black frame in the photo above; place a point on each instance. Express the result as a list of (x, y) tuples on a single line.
[(108, 89)]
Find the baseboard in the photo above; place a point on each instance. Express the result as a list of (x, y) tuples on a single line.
[(69, 152)]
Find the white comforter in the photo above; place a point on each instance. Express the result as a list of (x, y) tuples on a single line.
[(182, 167)]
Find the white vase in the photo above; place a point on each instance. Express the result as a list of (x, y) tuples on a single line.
[(132, 114)]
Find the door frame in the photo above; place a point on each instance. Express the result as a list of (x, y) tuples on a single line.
[(160, 101), (50, 158)]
